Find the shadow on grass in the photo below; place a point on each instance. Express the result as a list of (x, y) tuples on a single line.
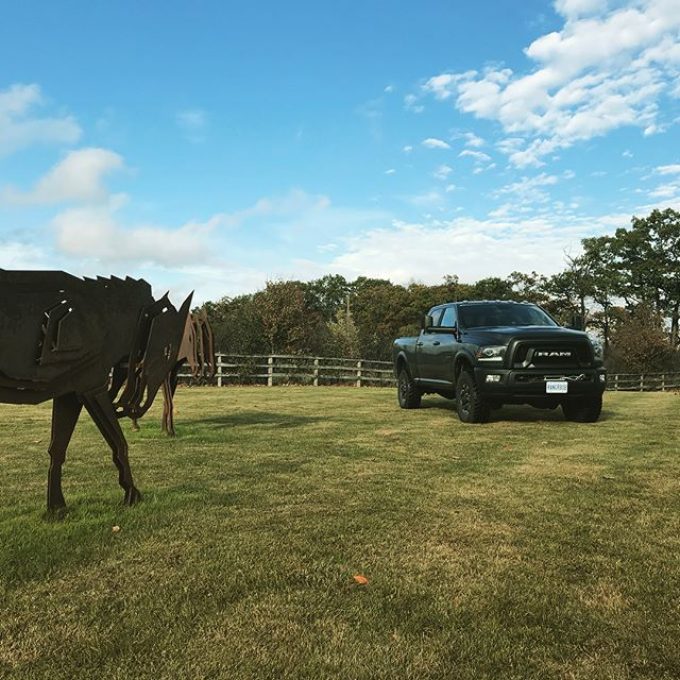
[(249, 418), (41, 545), (521, 413)]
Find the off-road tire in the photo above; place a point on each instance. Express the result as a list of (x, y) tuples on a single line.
[(471, 405), (408, 394), (583, 409)]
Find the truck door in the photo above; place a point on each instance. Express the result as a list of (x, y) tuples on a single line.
[(429, 351), (426, 345), (445, 352)]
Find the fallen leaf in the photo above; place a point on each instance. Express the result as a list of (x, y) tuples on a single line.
[(361, 580), (115, 529)]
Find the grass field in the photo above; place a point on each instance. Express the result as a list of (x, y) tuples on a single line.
[(525, 548)]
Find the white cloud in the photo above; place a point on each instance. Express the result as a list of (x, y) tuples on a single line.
[(388, 89), (18, 255), (666, 191), (477, 155), (427, 199), (471, 139), (407, 149), (669, 169), (470, 248), (411, 104), (442, 172), (604, 69), (95, 232), (391, 171), (78, 177), (525, 194), (671, 190), (434, 143), (193, 122), (572, 9), (21, 127)]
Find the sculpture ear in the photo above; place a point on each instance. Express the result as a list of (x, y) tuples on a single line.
[(186, 306), (182, 316)]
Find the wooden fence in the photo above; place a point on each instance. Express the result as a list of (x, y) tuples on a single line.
[(280, 369)]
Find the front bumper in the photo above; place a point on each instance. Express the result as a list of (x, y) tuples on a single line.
[(520, 384)]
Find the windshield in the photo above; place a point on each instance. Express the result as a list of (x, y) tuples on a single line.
[(503, 314)]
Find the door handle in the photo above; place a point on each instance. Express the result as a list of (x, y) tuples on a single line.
[(436, 342), (419, 344)]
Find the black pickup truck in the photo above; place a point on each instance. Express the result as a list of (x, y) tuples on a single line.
[(488, 353)]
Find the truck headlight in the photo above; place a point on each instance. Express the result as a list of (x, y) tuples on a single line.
[(491, 353), (598, 350)]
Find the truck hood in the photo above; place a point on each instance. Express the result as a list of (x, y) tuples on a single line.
[(502, 335)]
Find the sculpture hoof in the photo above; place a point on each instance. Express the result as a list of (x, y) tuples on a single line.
[(132, 496), (56, 513)]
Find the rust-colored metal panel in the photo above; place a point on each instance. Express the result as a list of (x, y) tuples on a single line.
[(61, 337)]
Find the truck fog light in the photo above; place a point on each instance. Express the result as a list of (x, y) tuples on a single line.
[(493, 377)]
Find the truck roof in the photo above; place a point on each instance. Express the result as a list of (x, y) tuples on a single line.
[(485, 302)]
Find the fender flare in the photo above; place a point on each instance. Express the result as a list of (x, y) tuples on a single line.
[(464, 360), (401, 360)]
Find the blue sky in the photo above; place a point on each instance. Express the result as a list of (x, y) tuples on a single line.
[(213, 146)]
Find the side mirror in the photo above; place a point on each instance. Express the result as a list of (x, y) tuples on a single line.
[(427, 322), (576, 322)]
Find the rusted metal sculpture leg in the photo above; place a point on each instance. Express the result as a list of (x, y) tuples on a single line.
[(168, 422), (65, 412), (100, 408)]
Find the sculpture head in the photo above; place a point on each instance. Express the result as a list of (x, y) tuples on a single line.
[(160, 355)]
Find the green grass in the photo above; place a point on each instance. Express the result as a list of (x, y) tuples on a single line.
[(525, 548)]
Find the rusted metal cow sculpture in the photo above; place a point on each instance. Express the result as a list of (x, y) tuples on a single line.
[(60, 338), (197, 349)]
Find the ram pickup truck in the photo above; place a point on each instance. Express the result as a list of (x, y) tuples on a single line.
[(488, 353)]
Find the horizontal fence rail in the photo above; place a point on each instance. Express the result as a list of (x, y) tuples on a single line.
[(285, 369)]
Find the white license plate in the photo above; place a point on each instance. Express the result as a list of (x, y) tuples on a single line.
[(556, 387)]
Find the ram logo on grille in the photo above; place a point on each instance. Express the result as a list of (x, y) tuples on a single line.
[(552, 353)]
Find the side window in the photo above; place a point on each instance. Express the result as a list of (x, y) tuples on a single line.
[(436, 315), (449, 318)]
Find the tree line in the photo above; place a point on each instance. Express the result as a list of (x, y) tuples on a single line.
[(623, 288)]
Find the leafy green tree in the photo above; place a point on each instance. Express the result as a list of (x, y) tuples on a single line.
[(606, 283), (648, 255), (569, 291), (328, 294), (237, 325), (344, 335), (529, 287), (381, 313), (492, 288), (640, 342), (289, 325)]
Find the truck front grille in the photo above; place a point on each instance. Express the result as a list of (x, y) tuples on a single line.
[(550, 354)]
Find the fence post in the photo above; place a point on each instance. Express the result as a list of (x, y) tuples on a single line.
[(642, 382), (359, 364), (663, 382), (219, 369), (316, 372), (616, 381), (270, 371)]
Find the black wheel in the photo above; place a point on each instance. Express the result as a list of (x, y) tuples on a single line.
[(408, 394), (472, 407), (583, 409)]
